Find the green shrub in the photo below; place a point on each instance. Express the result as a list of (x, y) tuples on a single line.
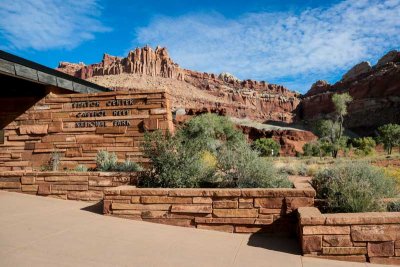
[(175, 163), (242, 167), (210, 131), (363, 146), (353, 187), (267, 147), (394, 206), (207, 152), (128, 166), (106, 161), (81, 168), (311, 149)]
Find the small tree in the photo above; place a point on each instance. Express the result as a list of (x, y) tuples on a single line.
[(267, 147), (389, 135), (331, 131)]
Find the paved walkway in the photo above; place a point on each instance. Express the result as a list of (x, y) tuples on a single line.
[(39, 231)]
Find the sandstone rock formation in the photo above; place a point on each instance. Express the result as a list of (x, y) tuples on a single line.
[(376, 96), (357, 70), (258, 100)]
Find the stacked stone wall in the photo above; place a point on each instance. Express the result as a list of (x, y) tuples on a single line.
[(371, 236), (228, 210)]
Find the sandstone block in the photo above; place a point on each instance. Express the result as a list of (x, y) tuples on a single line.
[(148, 214), (249, 229), (354, 258), (85, 195), (123, 206), (10, 185), (44, 189), (176, 222), (337, 241), (27, 180), (191, 208), (29, 188), (135, 199), (397, 252), (381, 249), (311, 243), (397, 244), (263, 221), (33, 129), (297, 202), (225, 220), (144, 192), (98, 181), (69, 187), (236, 213), (165, 199), (375, 232), (107, 206), (385, 260), (221, 227), (66, 179), (270, 211), (271, 203), (326, 230), (344, 250), (138, 213), (225, 204), (202, 200), (246, 205)]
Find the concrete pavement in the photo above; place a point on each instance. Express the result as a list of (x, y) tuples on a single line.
[(39, 231)]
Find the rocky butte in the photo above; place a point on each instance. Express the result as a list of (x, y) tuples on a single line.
[(196, 92), (145, 68), (375, 91)]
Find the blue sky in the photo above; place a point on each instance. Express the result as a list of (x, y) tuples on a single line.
[(293, 43)]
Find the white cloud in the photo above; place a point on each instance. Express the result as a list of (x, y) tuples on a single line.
[(294, 49), (47, 24)]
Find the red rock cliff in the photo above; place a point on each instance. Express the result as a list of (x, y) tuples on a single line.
[(375, 91), (254, 99)]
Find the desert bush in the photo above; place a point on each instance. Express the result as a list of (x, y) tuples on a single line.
[(175, 162), (81, 168), (393, 206), (353, 187), (207, 152), (267, 147), (311, 149), (106, 161), (394, 173), (128, 166), (242, 167), (210, 131), (363, 146)]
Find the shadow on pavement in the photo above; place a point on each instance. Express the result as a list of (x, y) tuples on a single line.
[(275, 243), (95, 208)]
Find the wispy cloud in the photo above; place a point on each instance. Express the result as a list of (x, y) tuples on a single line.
[(48, 24), (294, 49)]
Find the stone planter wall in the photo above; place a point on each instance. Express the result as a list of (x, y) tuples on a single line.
[(371, 236), (229, 210), (88, 186)]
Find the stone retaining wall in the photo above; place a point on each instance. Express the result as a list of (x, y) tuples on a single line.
[(228, 210), (88, 186), (371, 236)]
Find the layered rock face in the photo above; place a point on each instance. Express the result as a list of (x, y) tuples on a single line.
[(257, 100), (375, 91)]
